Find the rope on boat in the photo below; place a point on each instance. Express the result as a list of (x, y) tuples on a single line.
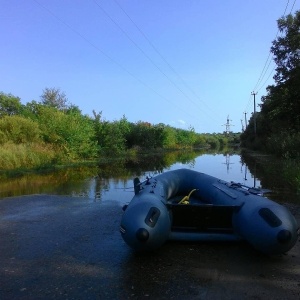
[(186, 199)]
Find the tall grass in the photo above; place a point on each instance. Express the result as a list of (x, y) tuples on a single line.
[(27, 156)]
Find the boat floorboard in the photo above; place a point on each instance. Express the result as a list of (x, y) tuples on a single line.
[(199, 217)]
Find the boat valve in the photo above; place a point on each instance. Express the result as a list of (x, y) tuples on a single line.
[(142, 234), (284, 236)]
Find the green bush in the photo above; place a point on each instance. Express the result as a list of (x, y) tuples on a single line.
[(18, 130), (284, 144), (16, 156), (72, 132)]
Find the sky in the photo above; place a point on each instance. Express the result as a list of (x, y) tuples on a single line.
[(184, 63)]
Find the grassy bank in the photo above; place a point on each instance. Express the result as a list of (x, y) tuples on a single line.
[(281, 173), (28, 156)]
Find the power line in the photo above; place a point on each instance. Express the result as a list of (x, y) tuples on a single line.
[(293, 6), (267, 65), (257, 87), (161, 56), (266, 80), (248, 104), (145, 54), (263, 72), (109, 57)]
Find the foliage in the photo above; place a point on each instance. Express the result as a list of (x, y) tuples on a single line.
[(110, 136), (145, 135), (54, 97), (186, 138), (54, 124), (73, 132), (9, 105), (284, 144), (18, 130), (278, 123), (169, 137)]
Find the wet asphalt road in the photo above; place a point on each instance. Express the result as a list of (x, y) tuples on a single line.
[(54, 247)]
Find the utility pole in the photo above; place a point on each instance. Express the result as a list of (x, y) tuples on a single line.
[(228, 163), (227, 125), (242, 126), (245, 120), (254, 112)]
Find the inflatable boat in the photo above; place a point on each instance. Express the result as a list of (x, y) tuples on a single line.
[(191, 206)]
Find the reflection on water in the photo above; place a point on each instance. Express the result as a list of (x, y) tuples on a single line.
[(114, 180)]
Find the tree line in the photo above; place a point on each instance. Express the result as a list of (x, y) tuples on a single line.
[(52, 131), (278, 122)]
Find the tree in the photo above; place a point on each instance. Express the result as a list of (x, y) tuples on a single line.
[(286, 48), (280, 109), (54, 97), (110, 136), (72, 132), (145, 135), (169, 137), (9, 105), (283, 100)]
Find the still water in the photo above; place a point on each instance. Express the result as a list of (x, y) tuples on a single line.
[(114, 180)]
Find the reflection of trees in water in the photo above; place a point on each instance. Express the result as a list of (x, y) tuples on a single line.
[(94, 180), (278, 175), (117, 172), (106, 179), (261, 169)]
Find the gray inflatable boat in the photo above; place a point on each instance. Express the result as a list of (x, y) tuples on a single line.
[(192, 206)]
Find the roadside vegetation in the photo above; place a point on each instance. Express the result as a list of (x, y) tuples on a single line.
[(50, 132), (278, 122)]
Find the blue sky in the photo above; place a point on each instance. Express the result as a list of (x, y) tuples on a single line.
[(178, 62)]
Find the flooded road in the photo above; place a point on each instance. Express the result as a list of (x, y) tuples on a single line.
[(59, 238), (56, 247), (114, 180)]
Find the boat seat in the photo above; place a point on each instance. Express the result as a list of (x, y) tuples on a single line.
[(202, 217)]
